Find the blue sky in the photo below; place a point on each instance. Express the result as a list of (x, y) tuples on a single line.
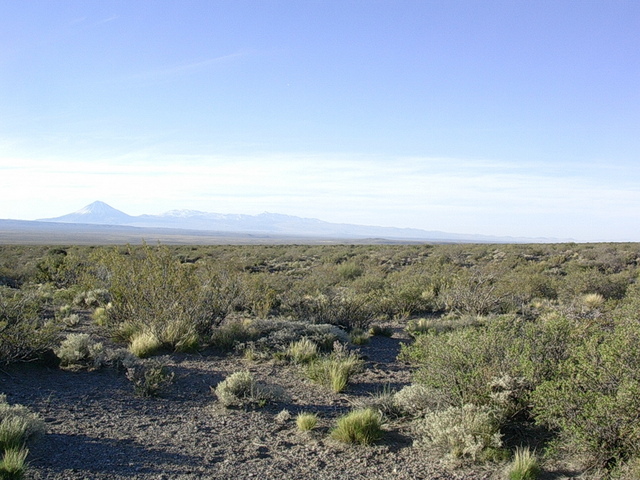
[(504, 118)]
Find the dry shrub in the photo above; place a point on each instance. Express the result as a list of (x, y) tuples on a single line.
[(467, 431)]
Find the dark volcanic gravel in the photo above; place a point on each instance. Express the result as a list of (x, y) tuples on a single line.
[(98, 429)]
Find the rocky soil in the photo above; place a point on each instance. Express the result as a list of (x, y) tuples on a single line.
[(98, 429)]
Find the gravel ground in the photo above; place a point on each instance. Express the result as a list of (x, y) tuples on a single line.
[(98, 429)]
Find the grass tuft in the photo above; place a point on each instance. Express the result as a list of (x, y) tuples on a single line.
[(12, 466), (144, 344), (359, 426), (334, 371), (524, 465), (306, 421)]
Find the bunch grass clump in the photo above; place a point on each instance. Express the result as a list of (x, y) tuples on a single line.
[(145, 344), (306, 421), (359, 337), (18, 424), (241, 389), (302, 351), (382, 401), (12, 465), (362, 426), (524, 465), (335, 370)]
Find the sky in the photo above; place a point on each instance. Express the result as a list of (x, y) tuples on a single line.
[(517, 118)]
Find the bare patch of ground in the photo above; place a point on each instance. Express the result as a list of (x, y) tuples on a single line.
[(98, 429)]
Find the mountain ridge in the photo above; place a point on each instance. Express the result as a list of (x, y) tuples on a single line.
[(100, 213)]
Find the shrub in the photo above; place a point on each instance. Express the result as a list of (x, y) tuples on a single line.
[(79, 350), (336, 307), (334, 371), (181, 335), (275, 335), (524, 465), (283, 416), (306, 421), (463, 363), (122, 359), (417, 400), (359, 336), (151, 289), (594, 398), (475, 293), (92, 298), (149, 379), (144, 344), (72, 320), (466, 431), (100, 316), (12, 465), (382, 402), (25, 333), (362, 426), (240, 389), (378, 330)]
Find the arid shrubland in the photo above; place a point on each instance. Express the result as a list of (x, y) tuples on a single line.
[(152, 293)]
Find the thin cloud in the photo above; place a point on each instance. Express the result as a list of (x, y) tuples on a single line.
[(185, 68)]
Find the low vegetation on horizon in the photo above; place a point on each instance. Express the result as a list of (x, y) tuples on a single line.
[(525, 357)]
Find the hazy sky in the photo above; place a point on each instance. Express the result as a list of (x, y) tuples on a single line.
[(506, 118)]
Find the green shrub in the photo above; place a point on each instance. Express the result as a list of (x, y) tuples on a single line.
[(378, 330), (25, 332), (151, 289), (149, 379), (467, 431), (463, 364), (474, 292), (594, 399), (80, 350), (306, 421), (12, 465), (100, 316), (230, 334), (359, 426), (338, 307), (524, 465)]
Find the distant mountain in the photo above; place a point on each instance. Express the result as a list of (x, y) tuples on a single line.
[(99, 213), (96, 213)]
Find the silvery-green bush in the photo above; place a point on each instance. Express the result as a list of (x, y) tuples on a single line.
[(465, 431)]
